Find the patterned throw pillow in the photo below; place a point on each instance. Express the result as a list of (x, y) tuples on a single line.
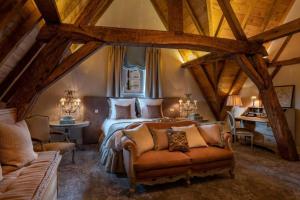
[(177, 141), (154, 111), (123, 112)]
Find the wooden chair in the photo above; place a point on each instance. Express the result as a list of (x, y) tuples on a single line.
[(239, 132), (39, 128)]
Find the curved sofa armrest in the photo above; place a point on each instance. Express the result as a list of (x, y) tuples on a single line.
[(129, 158), (130, 146), (227, 140)]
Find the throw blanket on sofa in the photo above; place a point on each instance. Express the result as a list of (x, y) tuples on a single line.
[(111, 155)]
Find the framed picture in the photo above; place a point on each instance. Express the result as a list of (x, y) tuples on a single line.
[(285, 94)]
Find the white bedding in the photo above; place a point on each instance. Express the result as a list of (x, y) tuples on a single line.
[(108, 122)]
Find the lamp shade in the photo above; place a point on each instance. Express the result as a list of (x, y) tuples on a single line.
[(234, 100)]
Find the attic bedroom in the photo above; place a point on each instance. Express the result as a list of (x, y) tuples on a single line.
[(149, 99)]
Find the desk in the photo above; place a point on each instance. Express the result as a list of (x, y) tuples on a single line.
[(68, 127), (253, 119)]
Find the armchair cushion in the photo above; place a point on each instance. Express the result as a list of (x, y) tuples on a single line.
[(211, 134), (141, 137), (16, 148), (209, 154), (193, 136), (161, 159)]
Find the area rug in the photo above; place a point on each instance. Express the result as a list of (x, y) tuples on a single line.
[(260, 174)]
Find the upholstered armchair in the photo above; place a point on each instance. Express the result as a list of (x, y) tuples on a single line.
[(39, 128)]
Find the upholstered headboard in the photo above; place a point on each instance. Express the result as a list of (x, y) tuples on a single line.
[(96, 110), (8, 115)]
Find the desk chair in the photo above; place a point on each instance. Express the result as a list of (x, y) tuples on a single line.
[(238, 132)]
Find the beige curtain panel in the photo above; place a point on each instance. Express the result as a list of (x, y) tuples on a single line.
[(115, 62), (153, 73)]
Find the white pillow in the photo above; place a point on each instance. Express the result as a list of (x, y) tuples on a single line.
[(141, 137), (193, 136), (121, 102), (1, 177), (142, 105)]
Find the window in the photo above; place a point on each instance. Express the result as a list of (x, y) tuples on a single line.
[(133, 73)]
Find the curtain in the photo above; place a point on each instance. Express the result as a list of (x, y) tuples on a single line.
[(115, 62), (153, 73)]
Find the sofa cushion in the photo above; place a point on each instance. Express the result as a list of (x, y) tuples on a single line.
[(16, 147), (160, 138), (211, 134), (161, 159), (193, 136), (209, 154), (142, 138), (32, 181)]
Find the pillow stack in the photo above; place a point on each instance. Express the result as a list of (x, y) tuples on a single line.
[(150, 108), (16, 147)]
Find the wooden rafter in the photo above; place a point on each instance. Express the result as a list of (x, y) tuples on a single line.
[(269, 15), (20, 66), (49, 11), (232, 20), (283, 30), (175, 16), (292, 61), (17, 36), (140, 37), (209, 58), (260, 76), (191, 12), (219, 25)]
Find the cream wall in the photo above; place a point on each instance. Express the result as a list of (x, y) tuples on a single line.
[(288, 75), (90, 77)]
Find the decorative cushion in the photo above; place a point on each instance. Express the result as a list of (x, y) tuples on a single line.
[(1, 173), (142, 138), (177, 141), (15, 144), (121, 102), (142, 106), (154, 111), (193, 136), (123, 112), (160, 138), (211, 134)]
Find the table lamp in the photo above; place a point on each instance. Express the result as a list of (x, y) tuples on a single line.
[(234, 100)]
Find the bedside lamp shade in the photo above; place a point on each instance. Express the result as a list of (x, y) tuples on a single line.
[(234, 100)]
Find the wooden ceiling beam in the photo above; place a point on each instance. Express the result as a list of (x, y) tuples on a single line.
[(292, 61), (71, 61), (208, 58), (192, 14), (49, 11), (283, 30), (17, 35), (175, 16), (151, 38), (93, 11), (281, 49), (232, 20), (285, 143), (17, 70)]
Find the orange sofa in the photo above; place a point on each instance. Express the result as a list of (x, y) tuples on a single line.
[(162, 166)]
